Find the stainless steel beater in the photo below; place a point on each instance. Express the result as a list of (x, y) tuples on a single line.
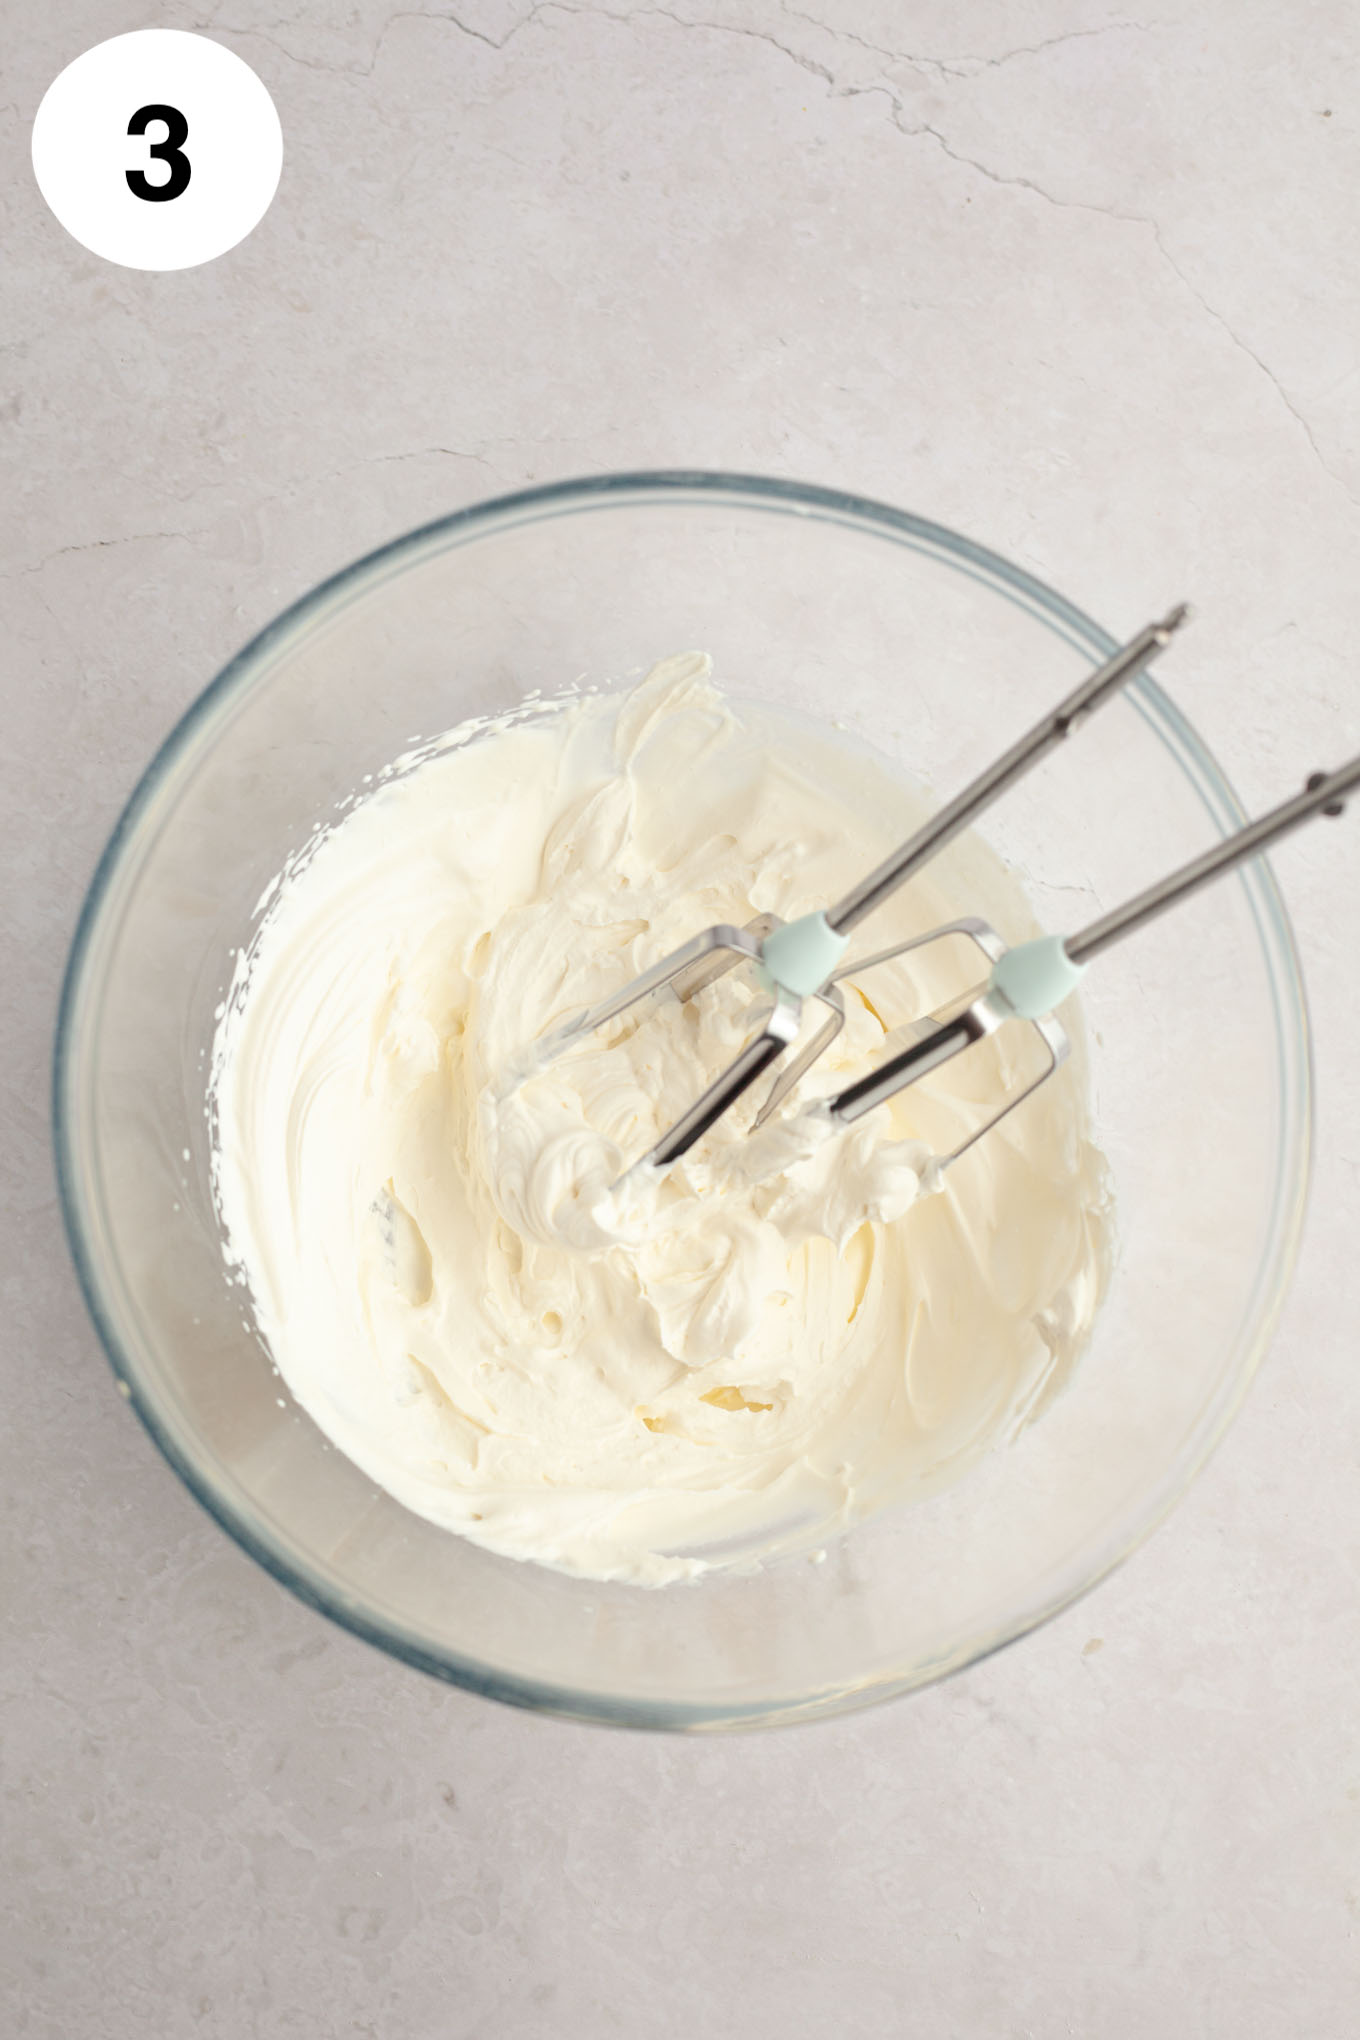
[(798, 960), (1027, 982)]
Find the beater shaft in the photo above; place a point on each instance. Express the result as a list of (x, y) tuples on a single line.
[(965, 808), (1325, 793)]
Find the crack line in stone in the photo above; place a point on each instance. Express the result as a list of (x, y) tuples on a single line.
[(914, 131)]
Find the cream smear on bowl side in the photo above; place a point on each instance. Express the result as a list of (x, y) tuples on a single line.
[(770, 1344)]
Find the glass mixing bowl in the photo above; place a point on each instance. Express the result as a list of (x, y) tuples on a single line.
[(937, 652)]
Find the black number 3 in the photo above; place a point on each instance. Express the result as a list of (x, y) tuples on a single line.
[(170, 151)]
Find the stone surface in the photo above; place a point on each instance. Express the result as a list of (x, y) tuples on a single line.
[(1082, 284)]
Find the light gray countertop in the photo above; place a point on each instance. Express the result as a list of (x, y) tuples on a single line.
[(1082, 285)]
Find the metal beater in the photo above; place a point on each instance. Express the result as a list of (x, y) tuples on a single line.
[(798, 960), (1027, 982)]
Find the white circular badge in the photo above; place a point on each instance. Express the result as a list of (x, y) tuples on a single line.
[(158, 150)]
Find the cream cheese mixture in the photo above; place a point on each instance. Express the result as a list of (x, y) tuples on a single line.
[(768, 1343)]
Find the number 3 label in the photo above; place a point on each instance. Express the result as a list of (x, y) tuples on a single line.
[(158, 150), (170, 151)]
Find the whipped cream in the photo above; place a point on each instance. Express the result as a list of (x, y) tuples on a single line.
[(624, 1375)]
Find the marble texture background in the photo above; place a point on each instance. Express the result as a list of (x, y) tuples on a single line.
[(1079, 278)]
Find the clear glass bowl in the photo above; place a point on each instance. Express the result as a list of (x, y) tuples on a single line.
[(938, 652)]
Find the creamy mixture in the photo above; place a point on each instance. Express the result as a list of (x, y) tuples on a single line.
[(779, 1336)]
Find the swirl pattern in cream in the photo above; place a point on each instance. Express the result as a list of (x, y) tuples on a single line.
[(779, 1336)]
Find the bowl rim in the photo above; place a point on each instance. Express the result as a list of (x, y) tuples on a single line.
[(1027, 591)]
